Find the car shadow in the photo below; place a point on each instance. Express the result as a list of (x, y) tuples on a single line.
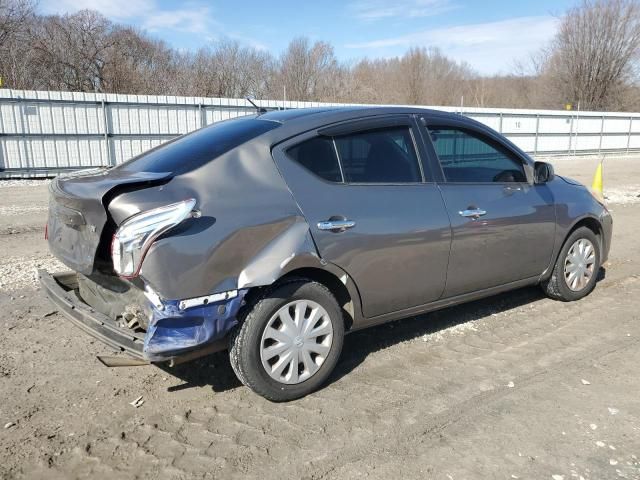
[(359, 345), (215, 370)]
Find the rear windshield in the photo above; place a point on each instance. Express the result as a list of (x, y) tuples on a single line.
[(191, 151)]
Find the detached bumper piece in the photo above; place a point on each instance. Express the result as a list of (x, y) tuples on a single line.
[(61, 289)]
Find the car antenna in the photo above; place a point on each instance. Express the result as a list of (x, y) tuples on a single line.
[(259, 110)]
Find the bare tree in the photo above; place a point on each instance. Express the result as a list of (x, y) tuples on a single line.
[(446, 79), (306, 70), (229, 69), (74, 50), (14, 15), (414, 66), (370, 81), (592, 58), (16, 55), (139, 64), (422, 76)]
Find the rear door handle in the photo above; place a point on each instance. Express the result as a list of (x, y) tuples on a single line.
[(336, 225), (473, 213)]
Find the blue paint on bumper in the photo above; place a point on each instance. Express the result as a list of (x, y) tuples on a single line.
[(173, 331)]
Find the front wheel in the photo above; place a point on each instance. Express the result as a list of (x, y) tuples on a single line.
[(288, 341), (575, 272)]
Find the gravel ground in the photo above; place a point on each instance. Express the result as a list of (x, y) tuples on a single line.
[(21, 210), (21, 272), (513, 386), (24, 183), (623, 195)]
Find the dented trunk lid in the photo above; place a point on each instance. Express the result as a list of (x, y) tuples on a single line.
[(78, 215)]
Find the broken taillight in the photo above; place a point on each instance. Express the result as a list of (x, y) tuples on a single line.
[(136, 234)]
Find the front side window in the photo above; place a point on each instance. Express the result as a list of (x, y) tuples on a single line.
[(468, 157)]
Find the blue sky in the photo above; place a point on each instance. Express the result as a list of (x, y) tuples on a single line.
[(489, 35)]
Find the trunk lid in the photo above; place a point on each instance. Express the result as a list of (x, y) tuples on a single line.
[(78, 215)]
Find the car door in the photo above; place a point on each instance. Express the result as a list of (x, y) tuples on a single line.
[(503, 224), (362, 188)]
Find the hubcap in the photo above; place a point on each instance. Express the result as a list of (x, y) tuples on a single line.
[(296, 341), (579, 264)]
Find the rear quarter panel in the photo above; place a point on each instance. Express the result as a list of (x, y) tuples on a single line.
[(249, 231)]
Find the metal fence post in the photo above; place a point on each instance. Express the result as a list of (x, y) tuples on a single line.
[(202, 115), (107, 132), (23, 135), (535, 141), (601, 135), (570, 136), (629, 135)]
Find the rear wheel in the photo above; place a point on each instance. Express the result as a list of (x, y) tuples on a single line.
[(288, 341), (576, 270)]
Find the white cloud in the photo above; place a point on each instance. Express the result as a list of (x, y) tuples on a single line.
[(241, 39), (488, 47), (249, 41), (147, 13), (381, 9), (194, 20), (115, 9)]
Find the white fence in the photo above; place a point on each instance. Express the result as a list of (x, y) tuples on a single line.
[(42, 132)]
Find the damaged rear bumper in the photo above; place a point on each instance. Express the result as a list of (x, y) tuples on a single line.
[(61, 289), (175, 333)]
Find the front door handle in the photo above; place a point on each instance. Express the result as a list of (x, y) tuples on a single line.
[(336, 225), (473, 213), (512, 188)]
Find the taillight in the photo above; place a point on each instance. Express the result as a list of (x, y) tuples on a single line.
[(136, 234), (46, 231)]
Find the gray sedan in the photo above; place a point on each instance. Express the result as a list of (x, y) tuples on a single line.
[(273, 235)]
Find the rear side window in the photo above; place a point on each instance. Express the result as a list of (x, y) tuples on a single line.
[(191, 151), (379, 156), (318, 155), (469, 157)]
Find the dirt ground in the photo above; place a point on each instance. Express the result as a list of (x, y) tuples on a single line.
[(513, 386)]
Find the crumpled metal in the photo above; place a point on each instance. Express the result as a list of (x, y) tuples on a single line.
[(173, 331)]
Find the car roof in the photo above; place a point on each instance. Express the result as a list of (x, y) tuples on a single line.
[(299, 120), (296, 121), (329, 113), (286, 115)]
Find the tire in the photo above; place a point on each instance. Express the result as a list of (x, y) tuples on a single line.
[(557, 286), (248, 345)]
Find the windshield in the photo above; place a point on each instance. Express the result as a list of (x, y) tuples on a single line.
[(191, 151)]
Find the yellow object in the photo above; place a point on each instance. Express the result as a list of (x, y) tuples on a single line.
[(596, 185)]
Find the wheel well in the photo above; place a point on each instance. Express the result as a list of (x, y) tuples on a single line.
[(588, 222), (592, 224), (335, 286)]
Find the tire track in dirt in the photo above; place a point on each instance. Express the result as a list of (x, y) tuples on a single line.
[(409, 393)]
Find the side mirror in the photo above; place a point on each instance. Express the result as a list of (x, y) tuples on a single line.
[(543, 172)]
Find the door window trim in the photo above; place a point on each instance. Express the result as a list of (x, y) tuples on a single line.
[(426, 123), (361, 125)]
